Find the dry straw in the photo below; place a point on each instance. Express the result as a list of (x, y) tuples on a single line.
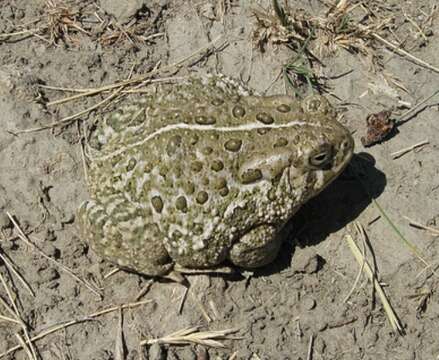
[(68, 323), (372, 275), (192, 335)]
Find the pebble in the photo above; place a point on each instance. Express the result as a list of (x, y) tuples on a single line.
[(123, 11), (306, 261), (309, 304)]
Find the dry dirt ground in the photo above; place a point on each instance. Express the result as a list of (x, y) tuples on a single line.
[(296, 308)]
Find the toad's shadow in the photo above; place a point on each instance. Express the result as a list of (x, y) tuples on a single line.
[(330, 211)]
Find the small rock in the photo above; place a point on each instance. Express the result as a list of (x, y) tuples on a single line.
[(309, 304), (123, 11), (306, 261)]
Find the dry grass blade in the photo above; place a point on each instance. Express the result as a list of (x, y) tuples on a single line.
[(26, 240), (146, 77), (73, 322), (413, 248), (417, 224), (201, 307), (416, 107), (61, 20), (183, 299), (192, 335), (69, 119), (111, 273), (25, 347), (9, 309), (120, 86), (120, 345), (310, 347), (393, 319), (18, 317), (348, 25), (6, 318), (406, 54), (361, 231), (14, 271), (216, 270), (145, 289), (17, 33)]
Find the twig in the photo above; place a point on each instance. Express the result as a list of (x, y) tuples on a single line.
[(111, 273), (17, 33), (83, 139), (6, 318), (18, 317), (69, 118), (145, 289), (141, 78), (182, 300), (233, 356), (403, 53), (310, 347), (419, 225), (216, 270), (397, 154), (417, 106), (120, 346), (26, 240), (7, 307), (127, 91)]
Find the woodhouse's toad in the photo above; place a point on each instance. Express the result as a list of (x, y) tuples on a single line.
[(202, 172)]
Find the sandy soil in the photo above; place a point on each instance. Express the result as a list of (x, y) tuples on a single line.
[(293, 309)]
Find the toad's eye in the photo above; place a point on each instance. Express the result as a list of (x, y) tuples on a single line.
[(321, 158)]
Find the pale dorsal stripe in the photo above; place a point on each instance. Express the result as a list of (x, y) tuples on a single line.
[(197, 127)]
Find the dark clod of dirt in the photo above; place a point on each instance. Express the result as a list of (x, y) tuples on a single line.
[(379, 127)]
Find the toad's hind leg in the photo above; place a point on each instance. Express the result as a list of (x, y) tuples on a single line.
[(120, 234), (256, 248)]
